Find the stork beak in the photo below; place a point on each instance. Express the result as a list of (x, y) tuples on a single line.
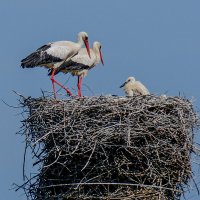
[(123, 85), (101, 57), (87, 47)]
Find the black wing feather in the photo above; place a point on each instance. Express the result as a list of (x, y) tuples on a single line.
[(70, 65), (39, 57)]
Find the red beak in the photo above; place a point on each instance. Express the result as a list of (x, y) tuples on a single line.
[(87, 47), (101, 57)]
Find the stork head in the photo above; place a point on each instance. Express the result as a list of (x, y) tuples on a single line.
[(97, 45), (130, 79), (84, 37)]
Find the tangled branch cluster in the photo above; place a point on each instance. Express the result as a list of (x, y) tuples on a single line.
[(109, 147)]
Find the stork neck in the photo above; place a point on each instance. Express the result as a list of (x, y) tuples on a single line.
[(80, 40), (97, 54)]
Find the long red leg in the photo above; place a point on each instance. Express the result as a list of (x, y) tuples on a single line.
[(62, 86), (80, 79), (54, 81), (78, 86)]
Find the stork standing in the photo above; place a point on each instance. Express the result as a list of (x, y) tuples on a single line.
[(131, 87), (54, 54), (80, 64)]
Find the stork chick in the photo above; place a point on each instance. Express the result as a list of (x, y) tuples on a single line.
[(131, 87)]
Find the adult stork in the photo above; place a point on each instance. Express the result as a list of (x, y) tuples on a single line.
[(54, 54), (131, 87), (80, 64)]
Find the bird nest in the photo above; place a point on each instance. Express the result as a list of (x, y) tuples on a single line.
[(109, 147)]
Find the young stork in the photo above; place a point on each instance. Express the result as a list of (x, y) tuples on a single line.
[(54, 54), (131, 87), (80, 64)]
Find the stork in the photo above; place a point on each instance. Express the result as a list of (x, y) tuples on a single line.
[(54, 54), (80, 64), (131, 87)]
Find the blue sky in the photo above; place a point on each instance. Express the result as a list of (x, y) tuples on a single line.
[(156, 41)]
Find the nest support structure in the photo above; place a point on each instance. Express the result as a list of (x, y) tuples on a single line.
[(109, 147)]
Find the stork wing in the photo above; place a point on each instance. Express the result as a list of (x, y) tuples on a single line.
[(49, 53), (140, 88), (80, 61)]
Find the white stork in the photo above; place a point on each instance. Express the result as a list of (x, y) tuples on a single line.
[(54, 54), (80, 64), (131, 87)]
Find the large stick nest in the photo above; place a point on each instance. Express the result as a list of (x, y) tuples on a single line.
[(109, 147)]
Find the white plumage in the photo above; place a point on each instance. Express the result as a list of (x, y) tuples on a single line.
[(62, 52), (80, 64), (54, 54), (81, 61), (131, 87)]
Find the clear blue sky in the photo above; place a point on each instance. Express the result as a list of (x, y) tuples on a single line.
[(156, 41)]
